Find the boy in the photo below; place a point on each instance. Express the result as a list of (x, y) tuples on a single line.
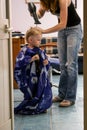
[(31, 74)]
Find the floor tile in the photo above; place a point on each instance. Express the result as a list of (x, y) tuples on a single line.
[(70, 118)]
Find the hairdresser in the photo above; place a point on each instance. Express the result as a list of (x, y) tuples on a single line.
[(69, 41)]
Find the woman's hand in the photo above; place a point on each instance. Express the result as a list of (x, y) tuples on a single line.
[(35, 57), (45, 62), (41, 30), (26, 1)]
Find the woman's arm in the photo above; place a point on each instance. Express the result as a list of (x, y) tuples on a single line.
[(63, 18), (40, 12)]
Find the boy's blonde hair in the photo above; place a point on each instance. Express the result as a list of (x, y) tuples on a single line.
[(33, 31)]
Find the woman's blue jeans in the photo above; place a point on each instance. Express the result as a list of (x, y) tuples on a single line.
[(69, 41)]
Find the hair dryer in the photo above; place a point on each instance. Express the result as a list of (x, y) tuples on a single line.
[(32, 10)]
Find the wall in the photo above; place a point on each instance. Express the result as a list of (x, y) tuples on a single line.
[(21, 19), (80, 10)]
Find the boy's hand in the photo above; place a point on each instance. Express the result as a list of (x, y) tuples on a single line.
[(35, 57), (45, 62)]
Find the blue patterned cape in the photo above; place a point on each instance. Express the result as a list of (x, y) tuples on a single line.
[(33, 81)]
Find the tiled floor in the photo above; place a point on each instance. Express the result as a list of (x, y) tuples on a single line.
[(56, 118)]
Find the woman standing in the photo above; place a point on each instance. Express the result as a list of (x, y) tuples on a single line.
[(69, 41)]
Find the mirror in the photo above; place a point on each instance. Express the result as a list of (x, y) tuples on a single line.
[(55, 118)]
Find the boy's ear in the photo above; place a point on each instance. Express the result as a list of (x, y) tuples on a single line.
[(30, 39)]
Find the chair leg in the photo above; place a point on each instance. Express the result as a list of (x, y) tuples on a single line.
[(50, 76), (55, 85)]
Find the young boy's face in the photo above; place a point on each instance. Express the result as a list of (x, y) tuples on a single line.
[(35, 40)]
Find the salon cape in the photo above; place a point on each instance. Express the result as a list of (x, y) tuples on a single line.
[(33, 81)]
